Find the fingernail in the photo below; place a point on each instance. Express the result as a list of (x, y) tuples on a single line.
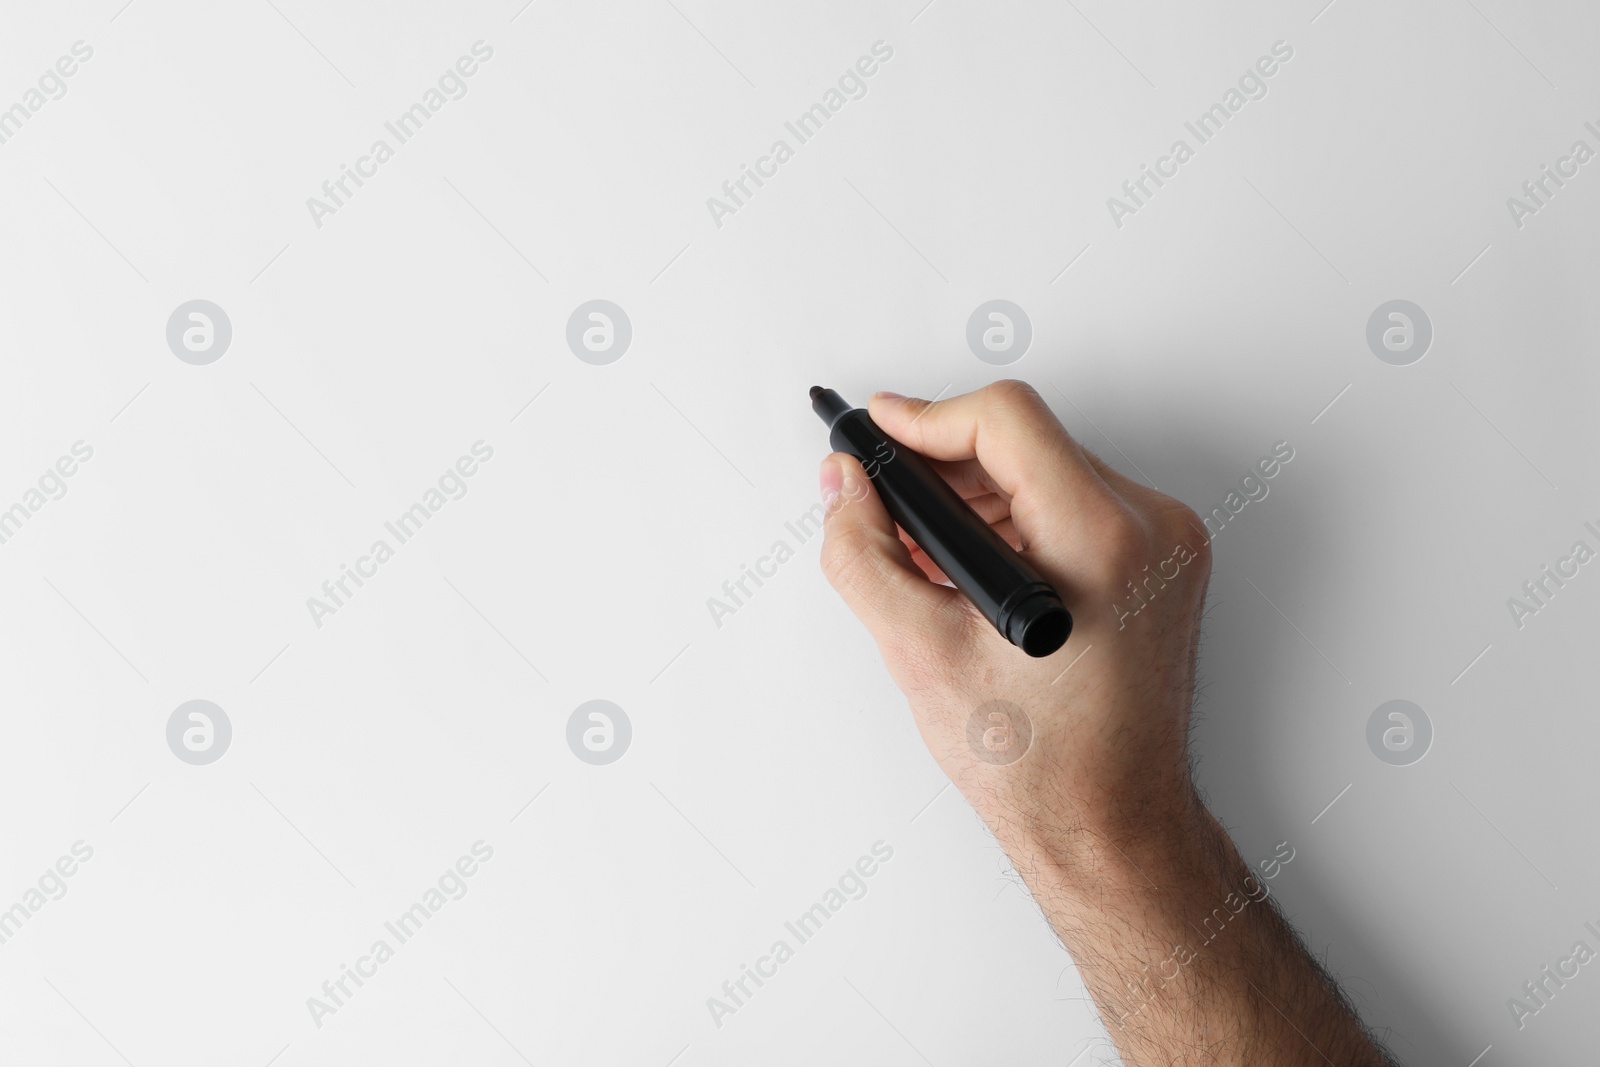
[(852, 486), (831, 479), (888, 396)]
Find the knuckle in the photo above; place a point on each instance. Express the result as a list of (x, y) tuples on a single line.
[(1184, 533), (1159, 546), (1013, 392), (1183, 522), (1199, 566), (1024, 418)]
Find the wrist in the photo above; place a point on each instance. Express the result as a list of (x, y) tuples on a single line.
[(1159, 847)]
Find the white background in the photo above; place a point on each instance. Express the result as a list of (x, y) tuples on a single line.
[(772, 751)]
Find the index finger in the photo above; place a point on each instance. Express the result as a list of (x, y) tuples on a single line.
[(1013, 434)]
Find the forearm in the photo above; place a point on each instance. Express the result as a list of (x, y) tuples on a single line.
[(1184, 952)]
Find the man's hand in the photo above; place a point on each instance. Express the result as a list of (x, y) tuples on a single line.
[(1079, 761), (1109, 731)]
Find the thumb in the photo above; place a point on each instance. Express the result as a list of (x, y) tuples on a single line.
[(871, 568)]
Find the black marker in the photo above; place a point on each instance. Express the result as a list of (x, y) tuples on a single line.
[(1009, 592)]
